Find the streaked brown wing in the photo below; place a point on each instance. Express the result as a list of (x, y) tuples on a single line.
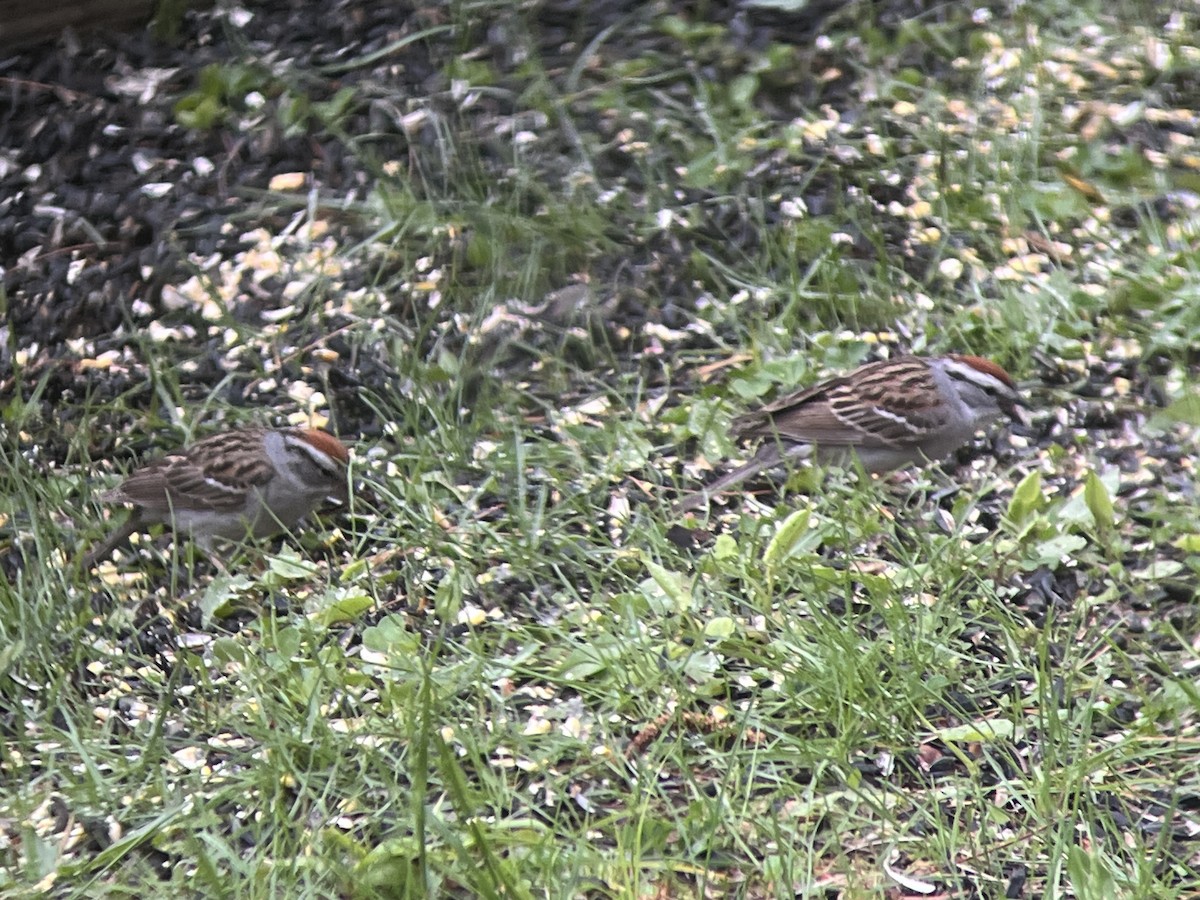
[(849, 410), (760, 422), (212, 474), (817, 423)]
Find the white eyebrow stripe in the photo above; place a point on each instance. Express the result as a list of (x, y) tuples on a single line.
[(319, 457), (981, 380)]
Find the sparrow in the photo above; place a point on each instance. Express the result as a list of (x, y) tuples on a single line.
[(887, 414), (248, 482)]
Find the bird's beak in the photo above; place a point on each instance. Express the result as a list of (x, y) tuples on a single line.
[(1017, 411), (341, 492)]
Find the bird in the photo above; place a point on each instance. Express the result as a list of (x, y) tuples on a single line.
[(888, 414), (251, 481)]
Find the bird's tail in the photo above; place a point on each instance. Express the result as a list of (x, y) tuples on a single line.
[(110, 543), (768, 455)]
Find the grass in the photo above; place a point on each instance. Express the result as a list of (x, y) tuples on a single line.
[(503, 671)]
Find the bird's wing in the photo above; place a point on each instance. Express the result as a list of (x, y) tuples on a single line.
[(850, 412), (210, 475)]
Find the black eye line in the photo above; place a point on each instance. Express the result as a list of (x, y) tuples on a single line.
[(330, 470), (994, 389)]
